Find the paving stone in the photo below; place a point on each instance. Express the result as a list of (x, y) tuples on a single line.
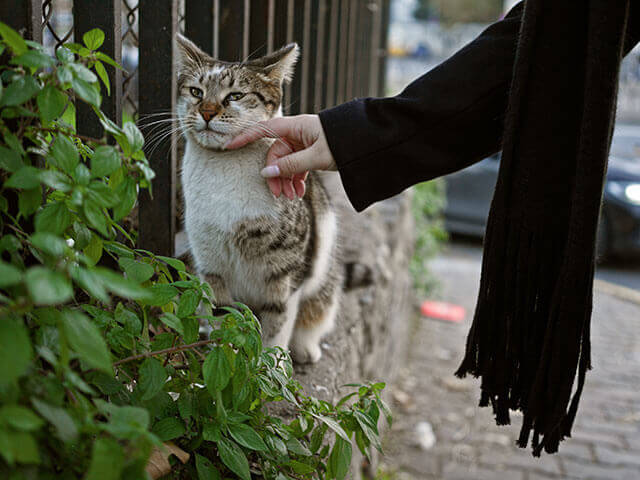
[(605, 441)]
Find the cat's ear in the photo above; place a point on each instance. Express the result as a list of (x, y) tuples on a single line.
[(189, 55), (280, 64)]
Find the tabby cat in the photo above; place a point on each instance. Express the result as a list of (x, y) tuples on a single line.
[(276, 255)]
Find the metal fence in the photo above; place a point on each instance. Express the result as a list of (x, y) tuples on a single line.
[(343, 45)]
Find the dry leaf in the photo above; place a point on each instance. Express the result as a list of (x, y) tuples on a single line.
[(158, 465)]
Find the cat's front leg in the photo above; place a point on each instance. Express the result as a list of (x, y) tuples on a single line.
[(278, 319), (221, 294)]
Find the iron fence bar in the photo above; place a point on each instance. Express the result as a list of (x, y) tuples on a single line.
[(296, 30), (280, 38), (199, 27), (343, 51), (365, 53), (376, 34), (24, 16), (230, 30), (271, 25), (332, 55), (246, 22), (316, 67), (158, 24), (351, 55), (107, 16), (385, 13), (258, 28)]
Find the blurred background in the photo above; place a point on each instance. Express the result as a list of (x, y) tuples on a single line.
[(440, 433)]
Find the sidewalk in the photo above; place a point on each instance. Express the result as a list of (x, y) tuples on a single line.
[(468, 444)]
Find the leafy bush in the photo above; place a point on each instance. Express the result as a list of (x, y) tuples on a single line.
[(102, 362), (428, 204)]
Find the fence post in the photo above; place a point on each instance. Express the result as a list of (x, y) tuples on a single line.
[(199, 26), (158, 26), (25, 16), (230, 29), (107, 16), (258, 28)]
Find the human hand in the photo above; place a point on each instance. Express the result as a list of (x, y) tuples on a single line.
[(300, 146)]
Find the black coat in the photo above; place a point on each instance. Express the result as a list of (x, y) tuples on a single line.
[(446, 120), (541, 85)]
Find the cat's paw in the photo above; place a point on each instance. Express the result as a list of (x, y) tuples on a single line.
[(310, 353)]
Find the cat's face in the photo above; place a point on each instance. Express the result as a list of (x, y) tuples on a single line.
[(217, 100)]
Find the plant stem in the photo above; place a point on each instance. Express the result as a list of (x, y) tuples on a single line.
[(166, 351)]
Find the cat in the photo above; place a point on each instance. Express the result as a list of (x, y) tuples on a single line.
[(276, 255)]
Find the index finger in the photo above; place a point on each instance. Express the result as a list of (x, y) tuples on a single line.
[(275, 128)]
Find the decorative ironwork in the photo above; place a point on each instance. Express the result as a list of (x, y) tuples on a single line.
[(59, 15), (130, 44)]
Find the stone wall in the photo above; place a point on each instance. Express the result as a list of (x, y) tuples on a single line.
[(370, 339)]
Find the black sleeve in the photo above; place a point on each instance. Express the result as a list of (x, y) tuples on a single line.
[(444, 121)]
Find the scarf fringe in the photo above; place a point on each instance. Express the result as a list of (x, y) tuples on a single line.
[(514, 343)]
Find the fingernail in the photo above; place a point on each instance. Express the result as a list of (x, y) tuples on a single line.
[(270, 172)]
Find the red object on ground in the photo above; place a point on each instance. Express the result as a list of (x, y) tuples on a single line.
[(443, 311)]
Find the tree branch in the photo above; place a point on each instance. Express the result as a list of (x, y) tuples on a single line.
[(166, 351)]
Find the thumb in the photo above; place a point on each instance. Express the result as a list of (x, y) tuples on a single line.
[(289, 165)]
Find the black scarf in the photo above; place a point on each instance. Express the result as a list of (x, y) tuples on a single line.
[(530, 334)]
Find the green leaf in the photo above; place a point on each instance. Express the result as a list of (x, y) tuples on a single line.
[(205, 469), (105, 161), (234, 458), (92, 283), (95, 216), (300, 467), (247, 437), (169, 428), (20, 418), (171, 321), (188, 303), (19, 91), (161, 294), (216, 371), (86, 91), (85, 339), (66, 429), (82, 175), (369, 429), (211, 432), (333, 425), (29, 201), (93, 250), (15, 350), (191, 329), (54, 218), (129, 320), (65, 154), (102, 73), (107, 460), (13, 39), (122, 286), (134, 137), (152, 378), (24, 448), (173, 262), (10, 160), (55, 180), (27, 177), (107, 59), (48, 287), (294, 446), (128, 194), (137, 271), (49, 243), (93, 39), (9, 275), (339, 459), (33, 59)]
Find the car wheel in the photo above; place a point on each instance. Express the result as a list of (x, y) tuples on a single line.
[(603, 239)]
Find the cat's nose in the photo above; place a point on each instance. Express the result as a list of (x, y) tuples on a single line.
[(209, 111)]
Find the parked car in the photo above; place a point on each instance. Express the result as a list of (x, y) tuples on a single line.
[(469, 194)]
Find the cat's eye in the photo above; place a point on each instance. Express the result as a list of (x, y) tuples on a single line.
[(234, 96), (196, 92)]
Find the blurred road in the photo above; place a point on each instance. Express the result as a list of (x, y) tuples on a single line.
[(466, 444), (620, 272)]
